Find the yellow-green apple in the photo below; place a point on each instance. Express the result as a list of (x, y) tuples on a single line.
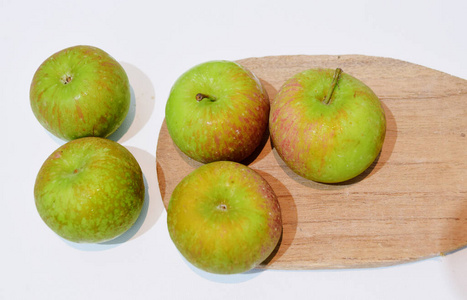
[(89, 190), (326, 125), (217, 110), (80, 91), (224, 218)]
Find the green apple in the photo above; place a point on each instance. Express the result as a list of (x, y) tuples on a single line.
[(326, 125), (80, 91), (89, 190), (217, 110), (224, 218)]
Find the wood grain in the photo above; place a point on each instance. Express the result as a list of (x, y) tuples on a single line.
[(409, 205)]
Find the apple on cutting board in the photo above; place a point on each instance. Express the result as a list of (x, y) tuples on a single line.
[(224, 218), (217, 110), (326, 125)]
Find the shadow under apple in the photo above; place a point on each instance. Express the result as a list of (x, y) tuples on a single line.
[(224, 278), (141, 105), (289, 219)]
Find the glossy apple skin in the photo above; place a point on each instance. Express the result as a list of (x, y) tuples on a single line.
[(332, 142), (229, 128), (89, 190), (224, 218), (80, 91)]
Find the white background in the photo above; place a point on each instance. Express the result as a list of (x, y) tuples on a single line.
[(156, 41)]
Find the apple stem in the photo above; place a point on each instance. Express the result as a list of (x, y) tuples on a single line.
[(201, 96), (335, 79)]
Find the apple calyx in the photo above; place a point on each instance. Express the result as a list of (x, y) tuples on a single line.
[(222, 207), (66, 79), (335, 79), (201, 96)]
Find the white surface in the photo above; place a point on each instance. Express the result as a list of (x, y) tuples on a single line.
[(156, 41)]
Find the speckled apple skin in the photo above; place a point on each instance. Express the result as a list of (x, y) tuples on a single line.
[(94, 102), (332, 142), (224, 218), (89, 190), (229, 128)]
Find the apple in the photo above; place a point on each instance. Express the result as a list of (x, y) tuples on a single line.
[(326, 125), (224, 218), (80, 91), (89, 190), (217, 110)]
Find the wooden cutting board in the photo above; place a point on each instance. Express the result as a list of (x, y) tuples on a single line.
[(409, 205)]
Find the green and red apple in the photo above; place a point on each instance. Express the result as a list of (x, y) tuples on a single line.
[(217, 110), (80, 91), (224, 218), (326, 125), (89, 190)]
